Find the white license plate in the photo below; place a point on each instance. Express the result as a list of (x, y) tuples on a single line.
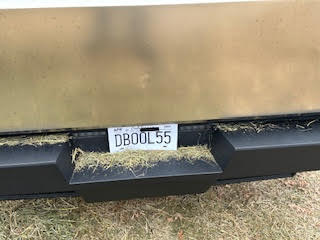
[(151, 137)]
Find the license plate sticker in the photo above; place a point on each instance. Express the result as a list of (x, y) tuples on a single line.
[(151, 137)]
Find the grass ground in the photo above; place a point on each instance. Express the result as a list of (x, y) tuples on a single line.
[(274, 209)]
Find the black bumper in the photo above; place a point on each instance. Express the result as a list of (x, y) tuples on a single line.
[(47, 171)]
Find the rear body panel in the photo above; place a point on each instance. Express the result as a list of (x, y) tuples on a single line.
[(97, 67), (80, 67)]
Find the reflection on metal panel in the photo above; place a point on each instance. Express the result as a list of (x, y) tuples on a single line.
[(99, 67), (26, 4)]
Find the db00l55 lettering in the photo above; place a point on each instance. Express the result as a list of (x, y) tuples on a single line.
[(126, 139)]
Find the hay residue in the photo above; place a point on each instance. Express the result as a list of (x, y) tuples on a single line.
[(247, 127), (36, 140), (261, 126), (137, 159)]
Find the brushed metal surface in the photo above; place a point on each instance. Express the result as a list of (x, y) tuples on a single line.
[(27, 4), (109, 66)]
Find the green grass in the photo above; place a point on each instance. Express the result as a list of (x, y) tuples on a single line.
[(275, 209)]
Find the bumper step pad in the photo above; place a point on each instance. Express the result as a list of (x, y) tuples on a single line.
[(45, 171), (166, 178)]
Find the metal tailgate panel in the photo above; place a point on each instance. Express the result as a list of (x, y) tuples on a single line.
[(108, 66)]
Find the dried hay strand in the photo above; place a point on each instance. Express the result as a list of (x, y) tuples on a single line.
[(36, 140), (251, 126), (132, 159), (261, 126)]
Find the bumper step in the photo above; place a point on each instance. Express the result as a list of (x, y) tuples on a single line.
[(166, 178)]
